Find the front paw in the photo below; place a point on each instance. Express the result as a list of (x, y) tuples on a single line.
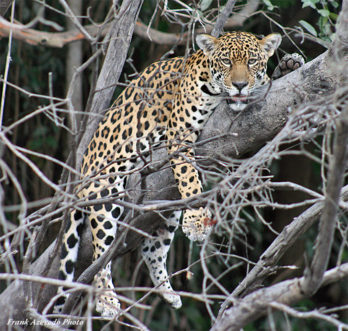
[(197, 223), (287, 64)]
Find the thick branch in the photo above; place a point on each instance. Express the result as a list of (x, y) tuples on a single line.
[(60, 39), (222, 18), (120, 38), (255, 304), (249, 130)]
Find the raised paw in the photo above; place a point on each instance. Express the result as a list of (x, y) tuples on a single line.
[(108, 305), (197, 223), (287, 64)]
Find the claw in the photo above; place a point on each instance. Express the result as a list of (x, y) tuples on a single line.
[(197, 224)]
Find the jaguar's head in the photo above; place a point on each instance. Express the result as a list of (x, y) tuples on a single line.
[(238, 63)]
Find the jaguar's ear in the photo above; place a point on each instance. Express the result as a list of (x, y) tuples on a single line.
[(206, 43), (270, 43)]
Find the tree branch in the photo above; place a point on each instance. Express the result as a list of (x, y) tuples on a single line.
[(60, 39), (255, 304), (120, 38), (222, 18), (265, 265), (245, 132)]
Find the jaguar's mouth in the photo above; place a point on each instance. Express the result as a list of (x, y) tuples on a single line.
[(237, 102), (238, 98)]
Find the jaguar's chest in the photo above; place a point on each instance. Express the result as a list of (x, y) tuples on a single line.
[(197, 99)]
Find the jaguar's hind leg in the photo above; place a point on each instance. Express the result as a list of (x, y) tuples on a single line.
[(154, 252), (103, 219), (69, 253)]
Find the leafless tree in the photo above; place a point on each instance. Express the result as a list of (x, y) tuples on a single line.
[(234, 152)]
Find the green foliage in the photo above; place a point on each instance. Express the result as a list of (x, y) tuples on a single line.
[(309, 27), (310, 3), (327, 11)]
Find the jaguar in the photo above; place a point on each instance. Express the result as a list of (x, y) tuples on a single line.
[(168, 104)]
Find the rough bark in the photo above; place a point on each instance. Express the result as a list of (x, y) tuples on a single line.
[(120, 37)]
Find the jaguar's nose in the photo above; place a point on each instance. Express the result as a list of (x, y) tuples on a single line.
[(239, 85)]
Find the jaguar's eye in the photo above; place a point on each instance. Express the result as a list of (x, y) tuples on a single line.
[(251, 61), (226, 61)]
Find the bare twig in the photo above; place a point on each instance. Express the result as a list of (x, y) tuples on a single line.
[(77, 22), (59, 39), (242, 187), (327, 225), (267, 261), (316, 314), (222, 18), (8, 59)]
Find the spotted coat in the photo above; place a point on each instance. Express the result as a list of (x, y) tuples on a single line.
[(168, 104)]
